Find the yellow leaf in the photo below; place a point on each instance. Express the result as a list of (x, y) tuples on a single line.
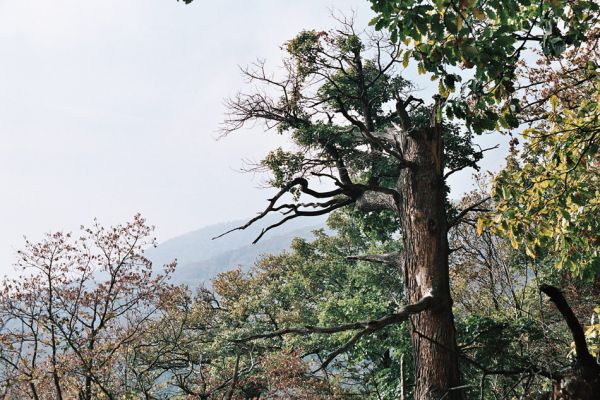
[(406, 59), (589, 330), (477, 13), (554, 102), (529, 252), (513, 240), (480, 223)]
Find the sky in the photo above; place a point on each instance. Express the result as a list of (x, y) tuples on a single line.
[(112, 107)]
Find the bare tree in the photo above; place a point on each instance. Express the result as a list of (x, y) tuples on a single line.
[(83, 300)]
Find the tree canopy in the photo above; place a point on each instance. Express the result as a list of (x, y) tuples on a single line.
[(408, 294), (487, 38)]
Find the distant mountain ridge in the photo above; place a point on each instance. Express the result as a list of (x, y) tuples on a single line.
[(199, 258)]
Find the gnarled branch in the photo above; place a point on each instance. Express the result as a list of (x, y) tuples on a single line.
[(366, 197), (328, 206), (392, 258), (377, 201), (363, 328), (584, 357)]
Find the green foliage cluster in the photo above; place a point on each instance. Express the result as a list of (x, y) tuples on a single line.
[(315, 284), (549, 199), (489, 37)]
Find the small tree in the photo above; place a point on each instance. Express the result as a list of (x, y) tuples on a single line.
[(68, 322)]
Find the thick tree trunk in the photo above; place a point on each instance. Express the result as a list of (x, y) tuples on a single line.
[(423, 219)]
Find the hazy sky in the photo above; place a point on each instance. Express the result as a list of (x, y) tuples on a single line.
[(111, 107)]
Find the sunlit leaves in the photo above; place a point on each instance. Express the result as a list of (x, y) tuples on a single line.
[(592, 333), (549, 200), (486, 36)]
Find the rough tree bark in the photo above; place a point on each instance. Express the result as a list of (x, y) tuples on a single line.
[(425, 260)]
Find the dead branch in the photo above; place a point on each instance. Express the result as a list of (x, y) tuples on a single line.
[(272, 207), (584, 357), (470, 163), (475, 207), (363, 328), (385, 258), (366, 197)]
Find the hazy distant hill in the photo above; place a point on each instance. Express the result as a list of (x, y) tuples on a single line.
[(199, 258)]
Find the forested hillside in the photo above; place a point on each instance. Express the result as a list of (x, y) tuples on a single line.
[(200, 257)]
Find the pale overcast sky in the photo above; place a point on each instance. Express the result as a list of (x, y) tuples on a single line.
[(110, 107)]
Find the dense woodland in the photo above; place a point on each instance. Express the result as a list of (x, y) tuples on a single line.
[(411, 294)]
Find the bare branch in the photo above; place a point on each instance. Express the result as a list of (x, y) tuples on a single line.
[(363, 328), (377, 201), (472, 208), (401, 315), (366, 197), (303, 183), (392, 258), (470, 163), (583, 354), (302, 213)]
